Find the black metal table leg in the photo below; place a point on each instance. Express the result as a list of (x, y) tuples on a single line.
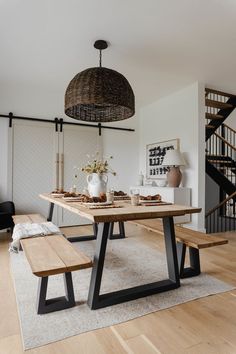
[(86, 237), (95, 300), (171, 252), (81, 238), (98, 263), (181, 253), (50, 212), (55, 304), (121, 233)]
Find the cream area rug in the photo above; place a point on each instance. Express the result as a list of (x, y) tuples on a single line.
[(128, 263)]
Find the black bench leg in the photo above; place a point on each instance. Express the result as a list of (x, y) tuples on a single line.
[(95, 229), (181, 253), (194, 268), (50, 212), (55, 304), (194, 260)]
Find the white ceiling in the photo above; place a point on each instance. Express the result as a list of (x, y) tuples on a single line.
[(159, 45)]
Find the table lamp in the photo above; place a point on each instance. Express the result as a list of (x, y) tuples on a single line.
[(174, 159)]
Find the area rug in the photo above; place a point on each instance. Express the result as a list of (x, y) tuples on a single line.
[(128, 263)]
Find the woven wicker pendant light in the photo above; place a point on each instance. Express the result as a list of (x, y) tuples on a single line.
[(99, 94)]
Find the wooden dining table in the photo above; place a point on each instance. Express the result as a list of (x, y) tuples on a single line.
[(124, 211)]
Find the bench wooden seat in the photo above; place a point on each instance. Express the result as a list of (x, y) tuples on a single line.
[(192, 239), (50, 255), (28, 218)]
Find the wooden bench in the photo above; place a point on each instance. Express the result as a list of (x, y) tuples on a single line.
[(194, 240), (50, 255), (28, 218)]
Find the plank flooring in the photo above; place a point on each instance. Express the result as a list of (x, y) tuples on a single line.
[(203, 326)]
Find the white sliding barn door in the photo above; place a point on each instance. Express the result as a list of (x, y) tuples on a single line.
[(76, 142), (33, 165)]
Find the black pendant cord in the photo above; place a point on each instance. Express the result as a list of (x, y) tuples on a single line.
[(100, 45), (59, 123), (100, 58)]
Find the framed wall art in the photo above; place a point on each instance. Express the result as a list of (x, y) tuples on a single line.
[(154, 157)]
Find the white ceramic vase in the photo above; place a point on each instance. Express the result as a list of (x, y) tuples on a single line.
[(97, 184)]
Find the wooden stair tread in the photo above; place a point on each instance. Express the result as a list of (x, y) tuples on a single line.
[(220, 161), (213, 116), (218, 155), (217, 92), (217, 104), (191, 238), (53, 254), (208, 126), (28, 218)]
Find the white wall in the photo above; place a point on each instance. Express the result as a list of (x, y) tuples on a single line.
[(124, 147), (212, 193), (37, 101), (180, 115)]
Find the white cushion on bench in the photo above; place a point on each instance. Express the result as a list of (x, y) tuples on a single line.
[(27, 230)]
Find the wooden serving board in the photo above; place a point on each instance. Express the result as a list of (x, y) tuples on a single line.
[(103, 206), (155, 204)]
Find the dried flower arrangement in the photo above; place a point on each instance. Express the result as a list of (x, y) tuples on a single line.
[(98, 165)]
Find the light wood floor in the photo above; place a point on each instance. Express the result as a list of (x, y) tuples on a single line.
[(203, 326)]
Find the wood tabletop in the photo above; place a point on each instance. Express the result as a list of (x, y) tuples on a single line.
[(124, 213)]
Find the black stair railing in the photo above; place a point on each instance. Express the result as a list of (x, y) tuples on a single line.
[(221, 159), (229, 134), (222, 155), (222, 217)]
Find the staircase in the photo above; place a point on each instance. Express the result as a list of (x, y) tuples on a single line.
[(221, 159)]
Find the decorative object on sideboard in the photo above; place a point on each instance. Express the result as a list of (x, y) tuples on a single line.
[(99, 94), (140, 179), (173, 160), (155, 154), (148, 182), (161, 182)]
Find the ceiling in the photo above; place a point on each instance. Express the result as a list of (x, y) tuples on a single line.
[(159, 45)]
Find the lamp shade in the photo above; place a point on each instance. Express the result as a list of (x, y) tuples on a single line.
[(99, 95), (173, 158)]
